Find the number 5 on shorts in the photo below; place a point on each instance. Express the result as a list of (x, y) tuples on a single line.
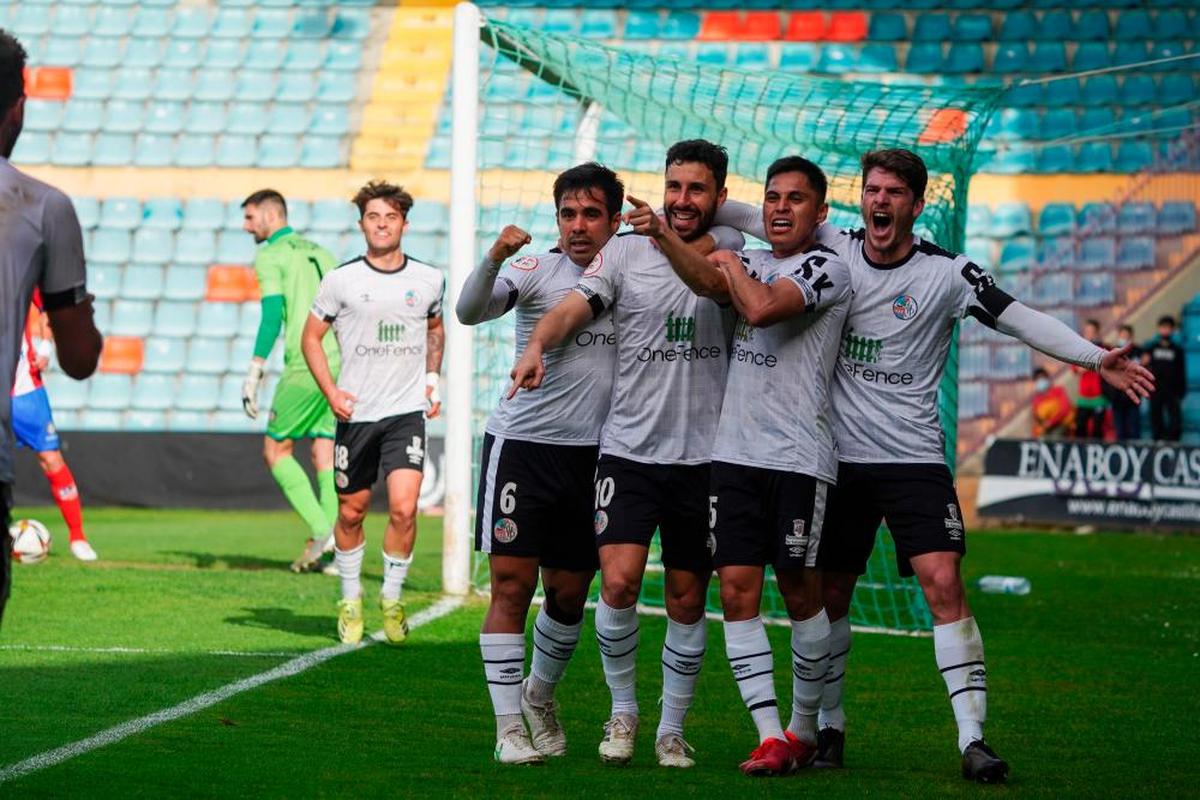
[(712, 511)]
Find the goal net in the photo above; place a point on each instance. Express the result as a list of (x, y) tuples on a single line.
[(548, 101)]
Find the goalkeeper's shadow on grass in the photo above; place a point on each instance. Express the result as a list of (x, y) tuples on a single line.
[(231, 561), (287, 620)]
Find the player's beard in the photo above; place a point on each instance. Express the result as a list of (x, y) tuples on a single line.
[(704, 221)]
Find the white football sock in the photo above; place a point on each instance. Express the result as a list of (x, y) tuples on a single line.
[(959, 651), (504, 667), (753, 667), (832, 715), (395, 570), (617, 635), (349, 566), (810, 662), (553, 645), (682, 657)]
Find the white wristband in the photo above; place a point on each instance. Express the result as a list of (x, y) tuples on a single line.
[(432, 380)]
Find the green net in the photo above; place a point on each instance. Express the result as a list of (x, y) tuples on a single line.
[(550, 101)]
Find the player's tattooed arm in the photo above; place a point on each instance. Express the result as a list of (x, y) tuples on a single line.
[(435, 344), (691, 266), (761, 305)]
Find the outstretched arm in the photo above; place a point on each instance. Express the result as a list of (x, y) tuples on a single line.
[(701, 276), (557, 324), (761, 305)]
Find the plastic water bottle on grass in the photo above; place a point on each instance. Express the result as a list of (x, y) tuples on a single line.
[(1004, 584)]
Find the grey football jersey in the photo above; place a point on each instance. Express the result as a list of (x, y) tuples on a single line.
[(894, 349), (380, 320), (43, 247), (776, 412), (570, 405), (672, 355)]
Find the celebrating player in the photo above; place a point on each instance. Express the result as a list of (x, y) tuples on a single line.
[(289, 270), (773, 457), (655, 446), (43, 247), (908, 294), (538, 462), (33, 425), (386, 309)]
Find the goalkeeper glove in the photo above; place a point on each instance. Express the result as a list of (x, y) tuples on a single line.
[(254, 376)]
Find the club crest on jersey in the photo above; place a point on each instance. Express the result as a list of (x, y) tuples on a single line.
[(524, 263), (600, 521), (712, 544), (905, 307), (504, 531), (595, 266), (411, 298)]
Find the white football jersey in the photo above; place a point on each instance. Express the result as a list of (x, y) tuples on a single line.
[(572, 402), (777, 412), (894, 348), (672, 356), (381, 320)]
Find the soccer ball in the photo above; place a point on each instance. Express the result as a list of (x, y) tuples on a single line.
[(30, 541)]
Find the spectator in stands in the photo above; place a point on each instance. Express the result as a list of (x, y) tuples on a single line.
[(1127, 416), (1092, 404), (1164, 357), (43, 247), (1053, 416)]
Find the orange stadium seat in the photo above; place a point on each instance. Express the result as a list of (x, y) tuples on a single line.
[(230, 283), (847, 26), (122, 354), (946, 125), (762, 26), (806, 26), (719, 26), (48, 83), (754, 26)]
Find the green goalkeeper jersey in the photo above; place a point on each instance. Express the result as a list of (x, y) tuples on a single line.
[(291, 267)]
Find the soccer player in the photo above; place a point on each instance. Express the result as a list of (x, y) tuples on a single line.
[(538, 462), (33, 425), (289, 270), (656, 443), (773, 457), (908, 295), (43, 248), (386, 309)]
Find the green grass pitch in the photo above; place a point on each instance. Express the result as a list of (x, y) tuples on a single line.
[(1093, 679)]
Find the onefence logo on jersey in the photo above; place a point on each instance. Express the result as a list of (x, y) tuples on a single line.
[(390, 342), (905, 307), (680, 332), (861, 348)]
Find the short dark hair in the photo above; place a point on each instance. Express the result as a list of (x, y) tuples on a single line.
[(701, 151), (1166, 319), (266, 196), (12, 70), (584, 178), (1127, 328), (1040, 372), (1095, 323), (905, 164), (816, 176), (393, 195)]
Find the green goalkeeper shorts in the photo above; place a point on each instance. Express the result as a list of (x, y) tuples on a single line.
[(299, 410)]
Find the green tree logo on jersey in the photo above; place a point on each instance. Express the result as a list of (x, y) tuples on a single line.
[(388, 332), (680, 329), (861, 348), (743, 331)]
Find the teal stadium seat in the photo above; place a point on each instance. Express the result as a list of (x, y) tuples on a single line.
[(1138, 90), (1059, 123), (270, 23), (235, 150), (878, 57), (203, 118), (598, 23), (1018, 26), (681, 25), (1100, 90), (1097, 120), (68, 22), (963, 58), (1176, 217), (321, 152), (712, 54), (1056, 219), (329, 122), (207, 355), (1056, 158), (1017, 255), (979, 249), (182, 420), (192, 22), (112, 149), (249, 315), (142, 282), (1126, 53), (195, 150), (215, 85), (87, 209), (92, 84), (102, 314), (194, 247), (979, 220), (124, 116), (289, 118), (1051, 290), (972, 362), (184, 282), (1054, 26), (304, 56), (642, 25), (30, 20), (1135, 252), (1136, 217), (165, 354), (296, 88), (175, 319), (972, 28), (1094, 157), (109, 392), (1091, 56), (204, 214), (932, 28), (1096, 253), (343, 57), (234, 215), (1056, 251), (71, 149), (153, 391), (197, 392), (82, 116), (247, 118), (1048, 57), (66, 394), (121, 213), (351, 24), (924, 58), (335, 88), (131, 317), (266, 55), (1095, 290), (1134, 24), (1098, 218), (752, 56), (310, 26), (132, 83), (1011, 219), (1169, 49), (887, 27), (62, 51), (299, 214), (278, 151), (43, 115), (152, 23), (1011, 57), (1013, 124), (145, 52), (1134, 156), (183, 54), (111, 21), (234, 247), (561, 21), (837, 59), (152, 246), (1092, 25), (104, 280)]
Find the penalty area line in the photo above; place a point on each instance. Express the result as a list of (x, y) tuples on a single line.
[(138, 651), (200, 702)]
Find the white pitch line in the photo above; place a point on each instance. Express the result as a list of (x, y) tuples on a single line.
[(202, 701), (64, 648)]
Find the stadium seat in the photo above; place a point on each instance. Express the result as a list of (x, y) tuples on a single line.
[(62, 52), (1097, 120), (1134, 156), (128, 83), (278, 151), (642, 25), (249, 315), (924, 58), (215, 85), (1011, 361), (43, 115), (82, 116), (1134, 24), (1135, 252), (144, 52), (234, 215), (66, 394), (194, 247), (235, 150), (598, 23), (195, 150), (173, 84), (1055, 26), (972, 28), (1094, 157), (335, 88), (887, 27), (343, 57), (1056, 219), (142, 282), (295, 88), (1099, 90), (207, 355), (1090, 56), (104, 280), (153, 392), (131, 317), (192, 22), (1097, 252), (205, 214), (299, 214), (197, 392), (321, 152), (87, 209), (1048, 57), (247, 118), (1010, 57), (963, 58), (1056, 252), (1176, 89), (806, 26), (979, 250), (837, 59), (1138, 90), (846, 26), (972, 361), (1017, 255), (932, 28), (1092, 25), (1014, 124), (176, 319), (1018, 26), (979, 220), (110, 21), (229, 283), (310, 26), (351, 24), (306, 56), (152, 23), (1059, 123), (1056, 158), (1056, 288), (71, 149), (1097, 218), (1095, 290), (121, 355), (878, 57), (110, 392), (164, 117), (29, 20), (972, 399), (234, 247), (92, 84), (152, 246), (1126, 53), (121, 213), (1135, 218), (1177, 216), (752, 56), (124, 116), (797, 57), (266, 56)]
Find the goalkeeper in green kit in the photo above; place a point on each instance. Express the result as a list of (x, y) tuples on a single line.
[(289, 270)]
